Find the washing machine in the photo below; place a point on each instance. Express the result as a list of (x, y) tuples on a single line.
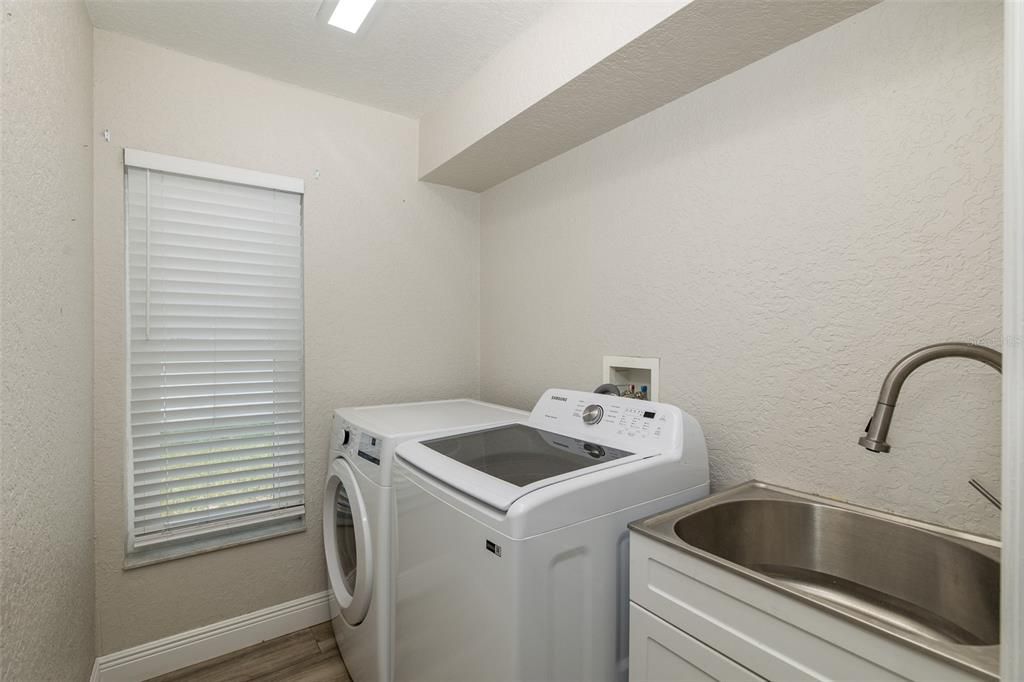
[(358, 517), (512, 553)]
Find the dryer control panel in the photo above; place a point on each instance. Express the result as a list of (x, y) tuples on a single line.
[(369, 447), (635, 424), (348, 441), (341, 436)]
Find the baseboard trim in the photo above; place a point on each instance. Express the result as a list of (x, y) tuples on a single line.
[(195, 646)]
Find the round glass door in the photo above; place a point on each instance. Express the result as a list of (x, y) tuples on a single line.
[(347, 542), (345, 538)]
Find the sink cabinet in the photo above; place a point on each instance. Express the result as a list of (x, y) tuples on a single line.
[(691, 620)]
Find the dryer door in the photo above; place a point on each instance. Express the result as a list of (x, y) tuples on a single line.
[(347, 543)]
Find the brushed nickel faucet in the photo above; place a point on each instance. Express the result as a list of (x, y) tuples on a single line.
[(878, 428)]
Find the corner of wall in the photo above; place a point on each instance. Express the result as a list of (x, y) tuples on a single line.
[(46, 457)]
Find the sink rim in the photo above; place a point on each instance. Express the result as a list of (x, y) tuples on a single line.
[(983, 660)]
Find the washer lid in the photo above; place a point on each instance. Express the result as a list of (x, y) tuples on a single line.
[(499, 465)]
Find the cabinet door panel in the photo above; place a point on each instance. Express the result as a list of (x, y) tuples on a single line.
[(659, 652)]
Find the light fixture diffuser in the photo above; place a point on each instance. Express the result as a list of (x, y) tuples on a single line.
[(349, 15)]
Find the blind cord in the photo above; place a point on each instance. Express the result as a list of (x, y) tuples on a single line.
[(147, 253)]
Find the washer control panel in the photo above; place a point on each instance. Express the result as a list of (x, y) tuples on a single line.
[(606, 418)]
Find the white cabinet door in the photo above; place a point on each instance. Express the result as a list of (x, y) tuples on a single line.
[(659, 652)]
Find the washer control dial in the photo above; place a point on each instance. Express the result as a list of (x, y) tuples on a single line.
[(592, 414)]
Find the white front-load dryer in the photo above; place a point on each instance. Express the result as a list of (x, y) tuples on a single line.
[(358, 517), (352, 507)]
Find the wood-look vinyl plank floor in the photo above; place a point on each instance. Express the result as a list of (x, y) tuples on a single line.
[(309, 655)]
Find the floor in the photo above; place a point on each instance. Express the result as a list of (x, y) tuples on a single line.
[(309, 655)]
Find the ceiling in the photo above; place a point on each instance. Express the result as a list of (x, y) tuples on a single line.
[(406, 58)]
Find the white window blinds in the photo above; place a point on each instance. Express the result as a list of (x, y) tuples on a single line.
[(215, 333)]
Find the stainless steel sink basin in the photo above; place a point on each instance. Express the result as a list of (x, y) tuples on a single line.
[(932, 587)]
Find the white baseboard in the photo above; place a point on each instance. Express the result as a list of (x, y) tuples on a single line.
[(195, 646)]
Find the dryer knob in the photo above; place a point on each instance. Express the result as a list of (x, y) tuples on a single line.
[(593, 414)]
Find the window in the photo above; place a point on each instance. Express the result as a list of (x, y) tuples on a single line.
[(214, 278)]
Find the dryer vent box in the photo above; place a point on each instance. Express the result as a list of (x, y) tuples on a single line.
[(624, 370)]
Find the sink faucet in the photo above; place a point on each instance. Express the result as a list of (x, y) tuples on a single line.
[(878, 428)]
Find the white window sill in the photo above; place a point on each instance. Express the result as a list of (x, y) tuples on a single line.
[(213, 542)]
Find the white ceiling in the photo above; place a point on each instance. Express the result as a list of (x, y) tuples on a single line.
[(406, 58)]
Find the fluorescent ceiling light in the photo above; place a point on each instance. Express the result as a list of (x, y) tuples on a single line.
[(350, 14)]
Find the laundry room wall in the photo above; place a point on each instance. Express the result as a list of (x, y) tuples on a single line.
[(779, 238), (46, 466), (391, 300)]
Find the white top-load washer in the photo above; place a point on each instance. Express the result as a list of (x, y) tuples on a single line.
[(358, 517), (512, 542)]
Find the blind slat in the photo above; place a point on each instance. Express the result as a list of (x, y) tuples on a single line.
[(203, 368), (214, 499), (257, 411), (172, 391), (143, 527), (184, 473), (172, 273), (215, 343), (142, 428), (242, 376), (213, 487), (243, 300), (212, 207), (165, 240), (167, 247), (144, 464), (207, 320), (208, 437), (238, 398), (215, 448), (162, 353), (209, 265)]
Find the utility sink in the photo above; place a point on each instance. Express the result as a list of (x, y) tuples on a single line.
[(934, 588)]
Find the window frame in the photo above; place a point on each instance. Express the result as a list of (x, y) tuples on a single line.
[(224, 533)]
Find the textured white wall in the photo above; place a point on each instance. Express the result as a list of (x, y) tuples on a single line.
[(779, 238), (46, 510), (392, 299), (565, 41)]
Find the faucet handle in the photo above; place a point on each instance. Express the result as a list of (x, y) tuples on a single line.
[(985, 493)]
